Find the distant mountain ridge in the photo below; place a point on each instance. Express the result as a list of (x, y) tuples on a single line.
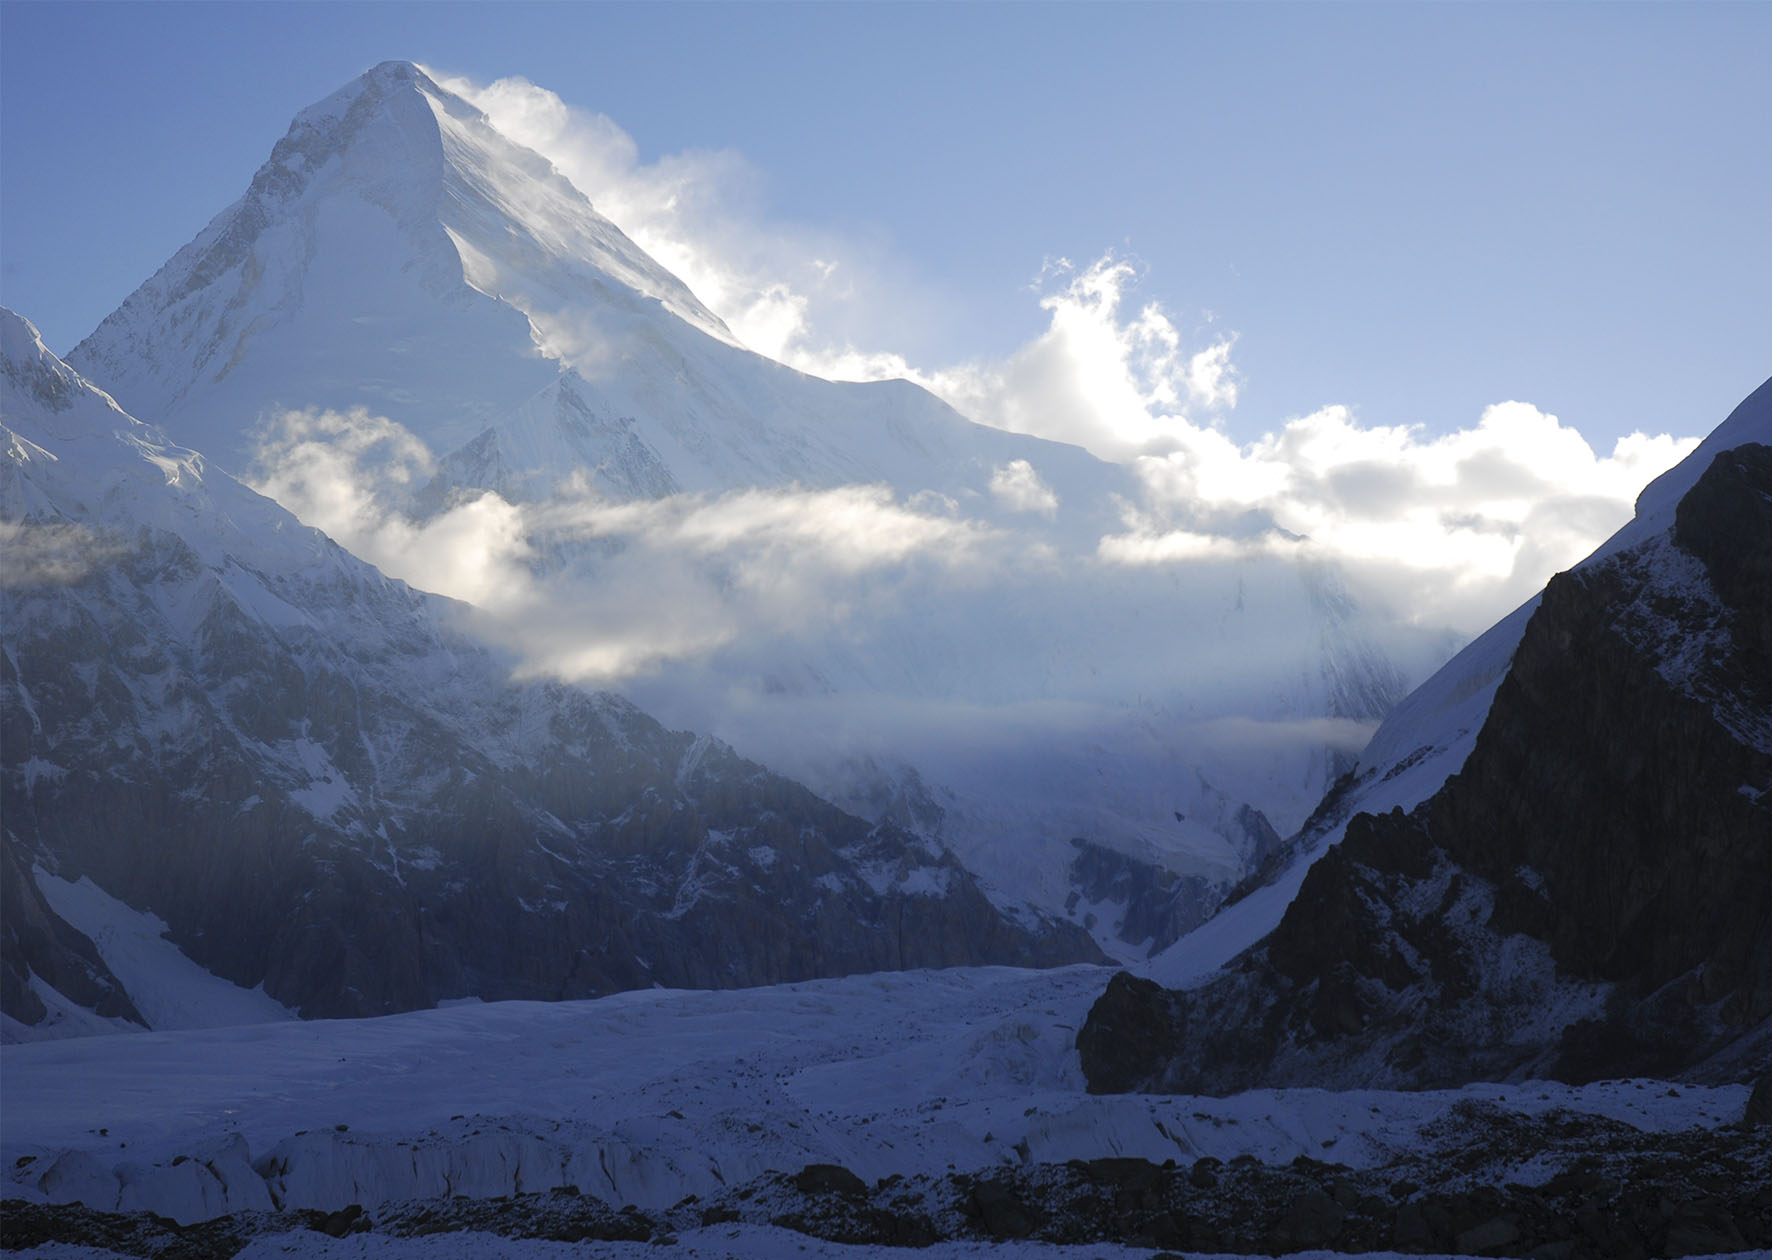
[(325, 788)]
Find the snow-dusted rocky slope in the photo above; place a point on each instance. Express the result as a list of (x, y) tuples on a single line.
[(1555, 855), (1001, 686), (326, 790)]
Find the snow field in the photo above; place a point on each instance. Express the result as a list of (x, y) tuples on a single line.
[(649, 1097)]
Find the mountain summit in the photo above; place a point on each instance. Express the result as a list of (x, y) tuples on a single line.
[(392, 219)]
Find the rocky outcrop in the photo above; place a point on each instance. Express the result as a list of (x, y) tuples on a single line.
[(1590, 896), (1153, 907)]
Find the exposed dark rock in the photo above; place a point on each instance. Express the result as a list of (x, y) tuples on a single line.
[(1157, 906), (1000, 1209), (1131, 1016), (828, 1179), (34, 940), (1759, 1103), (1590, 896)]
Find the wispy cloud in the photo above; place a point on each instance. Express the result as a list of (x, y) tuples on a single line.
[(1018, 487), (1455, 528), (785, 290), (39, 554), (595, 590), (1438, 530)]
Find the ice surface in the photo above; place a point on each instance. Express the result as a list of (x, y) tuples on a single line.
[(167, 988)]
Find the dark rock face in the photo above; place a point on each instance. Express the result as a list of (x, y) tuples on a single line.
[(1130, 1016), (1590, 896), (1156, 906)]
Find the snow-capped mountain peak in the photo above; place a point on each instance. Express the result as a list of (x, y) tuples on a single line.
[(784, 588), (391, 217), (71, 408)]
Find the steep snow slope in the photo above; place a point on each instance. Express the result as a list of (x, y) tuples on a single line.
[(325, 789)]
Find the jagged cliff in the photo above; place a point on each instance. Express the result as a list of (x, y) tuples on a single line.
[(1589, 896)]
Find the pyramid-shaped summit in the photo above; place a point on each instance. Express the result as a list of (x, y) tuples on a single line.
[(399, 254), (392, 227)]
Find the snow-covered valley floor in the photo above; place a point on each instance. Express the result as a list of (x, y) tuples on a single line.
[(649, 1098)]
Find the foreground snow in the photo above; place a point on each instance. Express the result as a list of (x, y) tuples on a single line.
[(649, 1097)]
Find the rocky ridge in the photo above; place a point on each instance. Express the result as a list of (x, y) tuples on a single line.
[(1589, 896)]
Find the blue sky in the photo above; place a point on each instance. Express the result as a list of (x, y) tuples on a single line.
[(1415, 211)]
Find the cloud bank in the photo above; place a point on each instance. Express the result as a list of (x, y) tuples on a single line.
[(1456, 529), (599, 591)]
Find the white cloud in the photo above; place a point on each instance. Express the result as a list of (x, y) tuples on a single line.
[(55, 553), (1456, 529), (698, 213), (1019, 488), (595, 590), (1117, 383), (352, 476)]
